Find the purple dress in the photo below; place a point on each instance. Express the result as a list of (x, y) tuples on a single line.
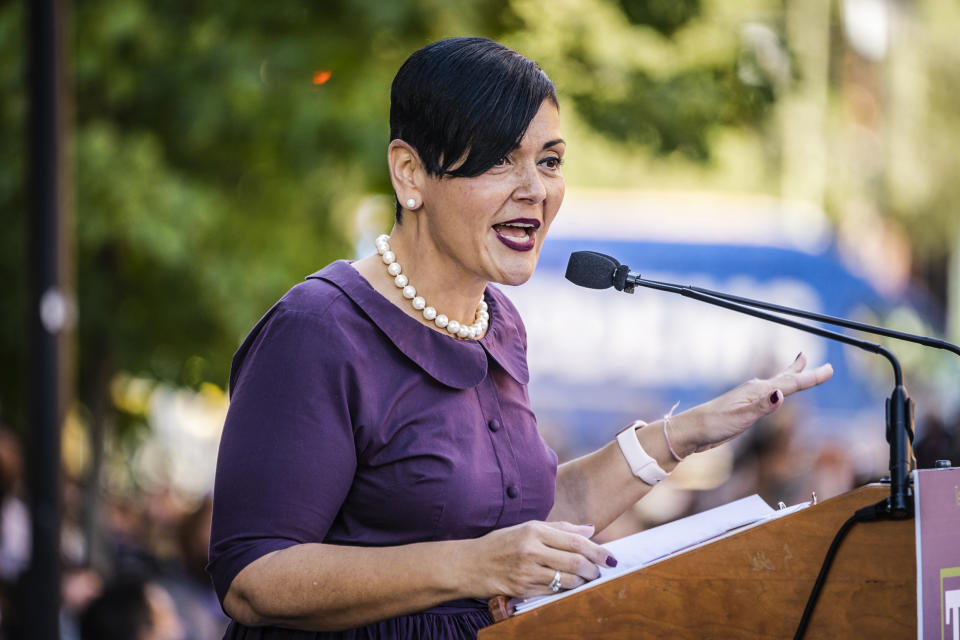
[(351, 423)]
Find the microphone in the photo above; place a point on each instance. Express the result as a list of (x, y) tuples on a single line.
[(592, 269), (599, 271)]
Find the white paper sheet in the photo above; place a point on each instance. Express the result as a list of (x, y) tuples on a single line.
[(641, 549)]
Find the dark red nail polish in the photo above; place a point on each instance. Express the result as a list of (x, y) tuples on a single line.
[(611, 561), (775, 397)]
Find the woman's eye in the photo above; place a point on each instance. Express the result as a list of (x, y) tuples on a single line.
[(501, 162), (552, 162)]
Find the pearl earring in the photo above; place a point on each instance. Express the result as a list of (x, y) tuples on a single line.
[(411, 203)]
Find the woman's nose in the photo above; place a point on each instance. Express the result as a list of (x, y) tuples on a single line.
[(530, 187)]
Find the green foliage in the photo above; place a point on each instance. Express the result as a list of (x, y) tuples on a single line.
[(211, 173), (921, 188), (192, 176), (661, 76), (676, 113), (666, 16)]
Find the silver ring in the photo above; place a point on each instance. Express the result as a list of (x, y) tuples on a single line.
[(555, 583)]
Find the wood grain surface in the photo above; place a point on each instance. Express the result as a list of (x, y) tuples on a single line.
[(752, 585)]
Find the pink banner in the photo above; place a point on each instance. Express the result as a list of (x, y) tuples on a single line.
[(937, 500)]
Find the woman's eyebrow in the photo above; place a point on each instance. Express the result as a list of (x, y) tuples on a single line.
[(551, 143)]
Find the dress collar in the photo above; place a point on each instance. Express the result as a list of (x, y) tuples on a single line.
[(460, 364)]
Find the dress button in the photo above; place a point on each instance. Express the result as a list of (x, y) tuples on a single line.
[(494, 425), (512, 491)]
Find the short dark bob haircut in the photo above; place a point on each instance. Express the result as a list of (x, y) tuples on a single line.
[(465, 98)]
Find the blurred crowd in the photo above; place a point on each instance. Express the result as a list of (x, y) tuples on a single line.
[(146, 581), (143, 580)]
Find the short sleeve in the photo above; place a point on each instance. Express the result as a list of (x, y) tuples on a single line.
[(287, 454)]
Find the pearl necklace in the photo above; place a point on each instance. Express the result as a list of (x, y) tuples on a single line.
[(462, 331)]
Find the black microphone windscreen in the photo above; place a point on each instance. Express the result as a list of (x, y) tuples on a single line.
[(591, 269)]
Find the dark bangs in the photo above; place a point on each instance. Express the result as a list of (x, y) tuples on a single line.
[(465, 99)]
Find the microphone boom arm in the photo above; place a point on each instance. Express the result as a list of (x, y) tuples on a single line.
[(840, 322), (595, 270), (899, 406)]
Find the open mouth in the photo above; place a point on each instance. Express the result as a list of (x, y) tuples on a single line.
[(519, 234)]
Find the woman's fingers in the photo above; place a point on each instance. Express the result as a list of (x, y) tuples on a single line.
[(568, 550), (564, 547), (730, 414), (791, 380), (571, 563), (813, 377), (566, 581), (523, 559), (799, 363), (585, 530), (572, 552), (775, 399)]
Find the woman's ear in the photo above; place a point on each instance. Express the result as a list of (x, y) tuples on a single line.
[(406, 174)]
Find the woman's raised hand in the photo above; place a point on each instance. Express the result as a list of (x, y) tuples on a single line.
[(523, 560), (727, 416)]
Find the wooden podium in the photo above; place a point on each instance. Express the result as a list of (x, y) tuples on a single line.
[(753, 584)]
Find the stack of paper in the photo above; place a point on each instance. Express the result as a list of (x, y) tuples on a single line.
[(641, 549)]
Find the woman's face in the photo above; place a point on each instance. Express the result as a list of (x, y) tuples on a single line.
[(492, 226)]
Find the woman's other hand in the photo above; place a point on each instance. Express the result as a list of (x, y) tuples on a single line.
[(522, 560), (727, 416)]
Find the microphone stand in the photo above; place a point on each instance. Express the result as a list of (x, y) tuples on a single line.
[(589, 269), (899, 406)]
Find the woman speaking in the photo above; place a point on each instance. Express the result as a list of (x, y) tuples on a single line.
[(380, 473)]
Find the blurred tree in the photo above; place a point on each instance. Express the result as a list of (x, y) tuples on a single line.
[(920, 190), (222, 150), (679, 112), (893, 131), (662, 75), (666, 16), (214, 148), (219, 149)]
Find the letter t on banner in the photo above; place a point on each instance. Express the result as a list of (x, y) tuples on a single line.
[(951, 605)]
